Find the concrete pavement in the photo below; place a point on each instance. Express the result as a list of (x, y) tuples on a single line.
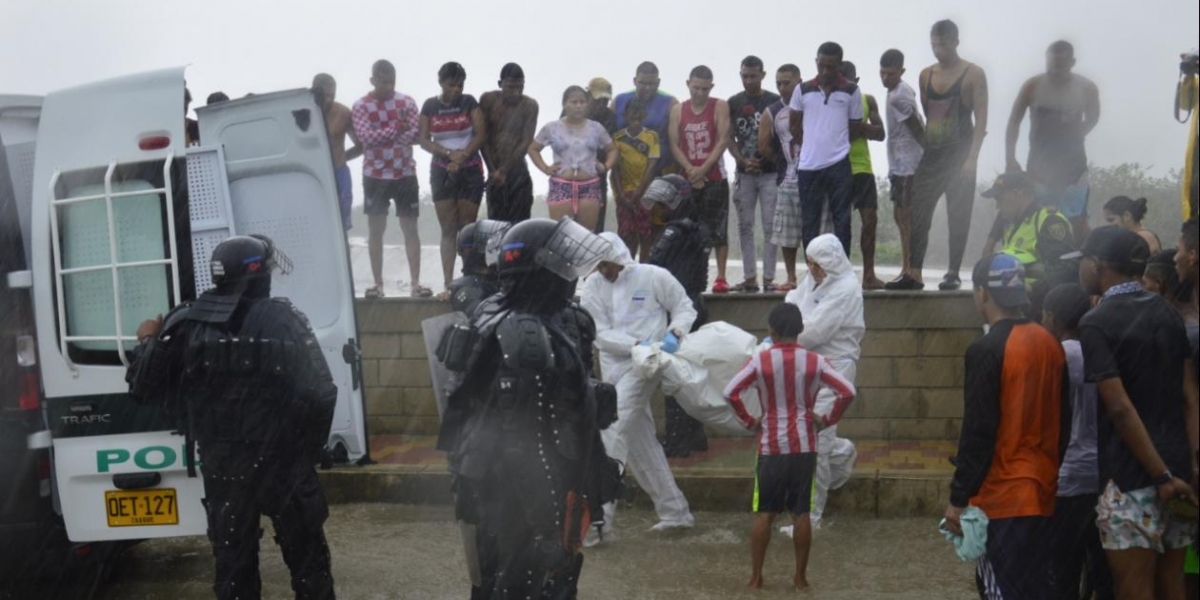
[(387, 552)]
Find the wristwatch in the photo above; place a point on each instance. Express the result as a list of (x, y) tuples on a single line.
[(1163, 479)]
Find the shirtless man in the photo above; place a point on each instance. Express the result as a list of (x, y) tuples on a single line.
[(1063, 109), (338, 125), (510, 120), (955, 97)]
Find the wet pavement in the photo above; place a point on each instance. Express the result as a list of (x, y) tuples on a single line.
[(386, 552)]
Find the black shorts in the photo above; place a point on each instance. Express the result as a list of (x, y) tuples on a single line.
[(1018, 562), (902, 189), (864, 194), (713, 202), (378, 195), (784, 483), (464, 184)]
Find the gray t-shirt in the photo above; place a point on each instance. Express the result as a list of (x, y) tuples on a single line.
[(575, 149), (904, 153), (1080, 472)]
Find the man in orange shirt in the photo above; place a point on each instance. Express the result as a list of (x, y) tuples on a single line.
[(1016, 426)]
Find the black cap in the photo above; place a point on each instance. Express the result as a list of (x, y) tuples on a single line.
[(1003, 276), (512, 71), (1009, 182), (1116, 245)]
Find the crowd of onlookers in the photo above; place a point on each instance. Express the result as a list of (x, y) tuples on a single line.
[(802, 159), (1079, 442)]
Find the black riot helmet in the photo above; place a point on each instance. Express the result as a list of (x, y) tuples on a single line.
[(564, 248), (473, 244), (539, 262), (242, 265)]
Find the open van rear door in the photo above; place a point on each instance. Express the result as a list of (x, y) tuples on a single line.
[(109, 214), (281, 183)]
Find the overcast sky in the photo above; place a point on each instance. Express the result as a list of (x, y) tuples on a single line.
[(1131, 49)]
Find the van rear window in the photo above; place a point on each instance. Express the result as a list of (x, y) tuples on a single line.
[(113, 257)]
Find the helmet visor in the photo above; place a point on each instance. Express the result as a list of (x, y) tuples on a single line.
[(572, 251), (668, 191)]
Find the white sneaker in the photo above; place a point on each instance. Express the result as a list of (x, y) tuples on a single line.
[(686, 523), (598, 534), (789, 531)]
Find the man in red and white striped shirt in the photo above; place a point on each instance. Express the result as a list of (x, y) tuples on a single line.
[(787, 378), (387, 124)]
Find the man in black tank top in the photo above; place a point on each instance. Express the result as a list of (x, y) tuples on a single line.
[(955, 97)]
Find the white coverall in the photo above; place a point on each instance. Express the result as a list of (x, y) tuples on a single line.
[(833, 328), (643, 304)]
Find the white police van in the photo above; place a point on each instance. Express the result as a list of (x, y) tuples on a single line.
[(124, 219)]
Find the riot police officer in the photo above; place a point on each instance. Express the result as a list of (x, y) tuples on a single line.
[(246, 377), (682, 249), (478, 281), (522, 428)]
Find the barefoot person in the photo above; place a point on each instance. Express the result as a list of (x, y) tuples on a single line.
[(787, 460), (904, 132), (452, 131), (955, 96), (339, 125), (575, 176), (387, 122)]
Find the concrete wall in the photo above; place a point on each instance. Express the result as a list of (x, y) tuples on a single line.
[(909, 379)]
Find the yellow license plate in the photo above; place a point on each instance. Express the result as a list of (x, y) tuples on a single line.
[(139, 508)]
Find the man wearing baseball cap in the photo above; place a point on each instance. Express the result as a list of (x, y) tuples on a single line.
[(1037, 236), (1136, 351), (600, 94), (1016, 425)]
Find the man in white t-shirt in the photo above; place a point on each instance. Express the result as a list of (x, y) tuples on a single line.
[(825, 111), (904, 132)]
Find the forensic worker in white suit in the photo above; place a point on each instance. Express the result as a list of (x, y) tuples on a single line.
[(636, 304), (831, 300)]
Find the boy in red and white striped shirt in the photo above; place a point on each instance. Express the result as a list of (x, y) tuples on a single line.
[(787, 378)]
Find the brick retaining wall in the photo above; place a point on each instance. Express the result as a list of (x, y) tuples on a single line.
[(910, 377)]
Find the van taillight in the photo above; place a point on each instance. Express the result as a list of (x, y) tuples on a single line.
[(154, 142), (31, 392)]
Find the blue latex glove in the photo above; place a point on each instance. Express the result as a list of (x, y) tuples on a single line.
[(767, 340), (670, 343)]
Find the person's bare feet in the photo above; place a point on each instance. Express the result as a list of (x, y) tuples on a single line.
[(801, 583), (756, 582), (872, 283)]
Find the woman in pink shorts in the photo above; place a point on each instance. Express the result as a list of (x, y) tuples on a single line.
[(576, 174)]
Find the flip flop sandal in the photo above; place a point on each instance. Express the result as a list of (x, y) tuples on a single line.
[(786, 287), (421, 292), (745, 288), (374, 292), (769, 287)]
